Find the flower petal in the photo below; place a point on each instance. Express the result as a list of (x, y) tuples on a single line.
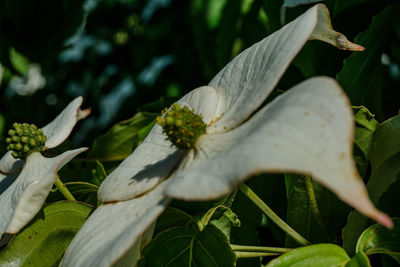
[(324, 32), (8, 164), (25, 196), (308, 130), (114, 230), (155, 158), (251, 76), (60, 128)]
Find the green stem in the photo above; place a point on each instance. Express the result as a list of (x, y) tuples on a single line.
[(95, 187), (64, 190), (241, 254), (260, 249), (272, 215), (314, 207)]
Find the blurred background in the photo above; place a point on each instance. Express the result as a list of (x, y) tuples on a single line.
[(122, 54), (126, 56)]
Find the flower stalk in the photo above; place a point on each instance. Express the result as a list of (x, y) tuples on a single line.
[(242, 254), (259, 249), (273, 216), (64, 190)]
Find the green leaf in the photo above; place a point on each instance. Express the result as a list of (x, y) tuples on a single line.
[(122, 138), (361, 74), (44, 240), (180, 246), (99, 174), (221, 217), (19, 61), (379, 240), (365, 127), (214, 12), (359, 260), (299, 212), (173, 217), (82, 188), (248, 232), (310, 256), (298, 209), (384, 156)]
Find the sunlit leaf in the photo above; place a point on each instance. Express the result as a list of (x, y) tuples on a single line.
[(310, 256), (122, 138), (44, 240), (19, 61), (359, 260)]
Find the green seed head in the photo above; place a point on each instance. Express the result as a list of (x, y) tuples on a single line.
[(24, 139), (182, 126)]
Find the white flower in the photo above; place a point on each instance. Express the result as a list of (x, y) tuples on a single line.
[(28, 85), (308, 130), (25, 184)]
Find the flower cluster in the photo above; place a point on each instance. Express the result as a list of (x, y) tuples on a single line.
[(26, 176), (25, 138), (182, 126)]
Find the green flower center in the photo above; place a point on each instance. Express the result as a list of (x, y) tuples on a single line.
[(24, 139), (182, 126)]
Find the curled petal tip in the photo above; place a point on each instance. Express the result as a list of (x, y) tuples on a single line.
[(382, 218), (84, 113), (357, 47), (385, 220), (344, 44)]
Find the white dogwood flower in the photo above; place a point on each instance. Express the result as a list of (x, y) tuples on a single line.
[(309, 130), (26, 176)]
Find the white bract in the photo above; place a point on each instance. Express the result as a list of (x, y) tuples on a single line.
[(25, 184), (307, 130)]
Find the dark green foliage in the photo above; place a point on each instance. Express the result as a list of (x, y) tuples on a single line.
[(130, 60)]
